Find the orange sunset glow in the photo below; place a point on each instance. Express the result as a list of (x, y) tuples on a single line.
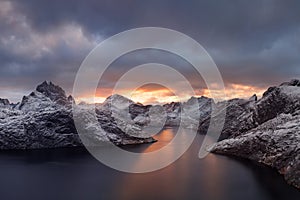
[(156, 94)]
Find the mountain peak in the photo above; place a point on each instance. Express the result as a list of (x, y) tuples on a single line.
[(293, 82), (293, 86), (253, 98), (118, 101), (54, 92), (4, 102), (71, 99), (117, 97)]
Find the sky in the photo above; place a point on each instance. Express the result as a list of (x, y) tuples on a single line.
[(255, 44)]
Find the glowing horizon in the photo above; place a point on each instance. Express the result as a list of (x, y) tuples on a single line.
[(161, 95)]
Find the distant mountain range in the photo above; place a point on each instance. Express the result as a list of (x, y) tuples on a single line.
[(265, 130)]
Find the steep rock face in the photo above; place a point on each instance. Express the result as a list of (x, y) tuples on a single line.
[(117, 107), (238, 117), (277, 100), (54, 92), (107, 127), (243, 115), (140, 113), (190, 113), (269, 131), (138, 109), (195, 110), (275, 143), (44, 129), (44, 119), (173, 110)]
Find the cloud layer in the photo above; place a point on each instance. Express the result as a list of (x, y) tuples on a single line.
[(254, 43)]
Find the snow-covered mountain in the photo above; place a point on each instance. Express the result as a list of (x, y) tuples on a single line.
[(44, 119)]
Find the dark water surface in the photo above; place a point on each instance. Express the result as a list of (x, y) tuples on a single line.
[(71, 174)]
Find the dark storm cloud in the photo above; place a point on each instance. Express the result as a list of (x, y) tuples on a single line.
[(252, 42), (217, 22)]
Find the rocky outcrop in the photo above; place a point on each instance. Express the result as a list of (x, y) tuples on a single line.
[(44, 119), (271, 132), (4, 102), (71, 100), (186, 114), (44, 129), (253, 98), (275, 143), (239, 117), (243, 115), (173, 110), (53, 92)]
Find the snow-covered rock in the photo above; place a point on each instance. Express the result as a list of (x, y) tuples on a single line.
[(189, 114), (243, 115), (186, 114), (44, 119), (117, 101), (275, 143), (4, 102), (267, 131)]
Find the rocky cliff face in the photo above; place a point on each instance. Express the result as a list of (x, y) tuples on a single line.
[(243, 115), (44, 119), (239, 117), (267, 131)]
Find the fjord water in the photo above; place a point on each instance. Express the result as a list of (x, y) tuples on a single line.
[(72, 173)]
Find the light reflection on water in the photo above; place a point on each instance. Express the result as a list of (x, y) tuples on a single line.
[(74, 174), (214, 177), (174, 179)]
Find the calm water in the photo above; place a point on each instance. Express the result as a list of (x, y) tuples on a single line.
[(64, 174)]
